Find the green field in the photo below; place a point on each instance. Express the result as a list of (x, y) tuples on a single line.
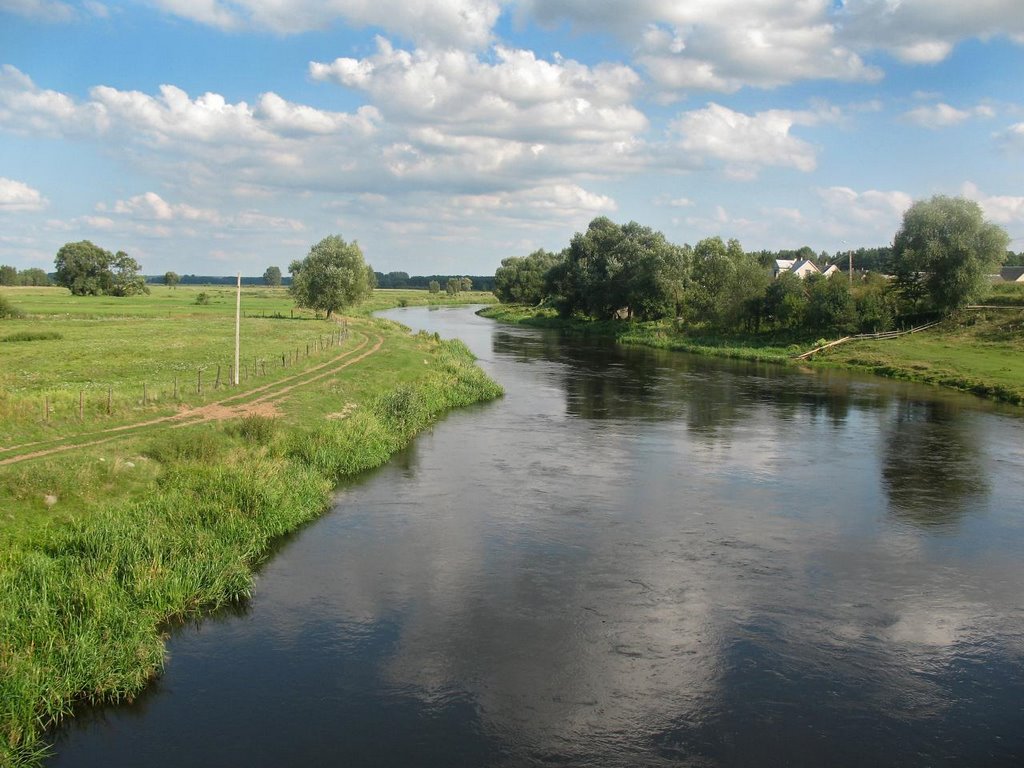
[(84, 356), (159, 511)]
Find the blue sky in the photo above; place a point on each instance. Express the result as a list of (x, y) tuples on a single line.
[(211, 136)]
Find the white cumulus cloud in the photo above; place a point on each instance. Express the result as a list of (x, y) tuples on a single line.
[(149, 208), (941, 115), (720, 45), (441, 23), (1002, 209), (1012, 138), (518, 96), (869, 215), (749, 143), (926, 31), (27, 109), (19, 196), (41, 10)]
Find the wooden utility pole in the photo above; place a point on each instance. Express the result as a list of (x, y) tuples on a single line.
[(238, 324)]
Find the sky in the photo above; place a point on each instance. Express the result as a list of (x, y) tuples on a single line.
[(215, 136)]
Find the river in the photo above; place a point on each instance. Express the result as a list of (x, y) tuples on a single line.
[(634, 558)]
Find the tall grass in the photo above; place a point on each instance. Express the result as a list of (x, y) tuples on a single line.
[(83, 609)]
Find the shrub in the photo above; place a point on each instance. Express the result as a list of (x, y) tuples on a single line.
[(8, 311), (203, 298)]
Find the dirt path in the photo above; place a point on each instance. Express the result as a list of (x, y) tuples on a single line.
[(237, 405)]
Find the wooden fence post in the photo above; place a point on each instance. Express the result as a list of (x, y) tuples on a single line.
[(46, 408), (144, 398), (81, 405), (110, 397), (175, 387), (216, 384), (199, 382)]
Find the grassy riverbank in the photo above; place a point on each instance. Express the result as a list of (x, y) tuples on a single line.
[(116, 534), (981, 352)]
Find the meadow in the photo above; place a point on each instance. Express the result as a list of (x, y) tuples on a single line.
[(160, 511), (72, 361)]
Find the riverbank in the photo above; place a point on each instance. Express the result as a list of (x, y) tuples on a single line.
[(108, 541), (981, 352)]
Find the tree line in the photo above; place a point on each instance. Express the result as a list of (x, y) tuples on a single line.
[(405, 280), (33, 276), (938, 263)]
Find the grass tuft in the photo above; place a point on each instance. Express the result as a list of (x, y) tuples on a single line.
[(255, 429), (32, 336), (202, 445)]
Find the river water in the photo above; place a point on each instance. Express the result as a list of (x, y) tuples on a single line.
[(634, 558)]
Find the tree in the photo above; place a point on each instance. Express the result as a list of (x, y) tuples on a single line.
[(333, 276), (785, 301), (466, 284), (272, 276), (33, 276), (830, 306), (744, 301), (84, 268), (434, 286), (8, 275), (714, 268), (520, 279), (88, 270), (876, 310), (171, 279), (125, 277), (943, 252), (610, 270), (454, 286)]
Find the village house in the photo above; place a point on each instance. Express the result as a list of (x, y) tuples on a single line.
[(1012, 274)]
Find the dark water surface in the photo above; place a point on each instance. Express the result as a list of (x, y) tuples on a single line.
[(634, 558)]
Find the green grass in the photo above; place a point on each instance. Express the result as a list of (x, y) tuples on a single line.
[(982, 352), (102, 547), (1008, 294), (89, 350)]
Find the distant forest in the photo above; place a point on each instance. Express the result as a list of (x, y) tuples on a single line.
[(403, 280), (384, 280)]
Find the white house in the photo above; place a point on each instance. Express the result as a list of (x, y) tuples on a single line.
[(800, 267)]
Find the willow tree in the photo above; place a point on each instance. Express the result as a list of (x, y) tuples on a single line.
[(333, 276), (943, 252)]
